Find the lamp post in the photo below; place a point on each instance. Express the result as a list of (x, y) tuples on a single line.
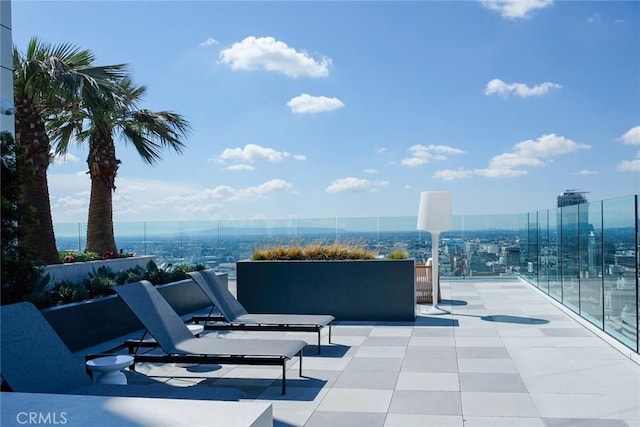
[(435, 215)]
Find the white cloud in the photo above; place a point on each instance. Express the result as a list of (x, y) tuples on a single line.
[(629, 166), (525, 155), (353, 185), (499, 173), (307, 104), (260, 191), (239, 167), (423, 154), (516, 8), (451, 174), (586, 172), (497, 86), (252, 153), (533, 153), (273, 55), (349, 184), (370, 171), (210, 41), (66, 158), (632, 137), (151, 200)]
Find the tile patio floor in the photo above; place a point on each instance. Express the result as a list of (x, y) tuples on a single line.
[(506, 356)]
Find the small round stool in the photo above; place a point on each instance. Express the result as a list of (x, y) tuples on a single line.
[(108, 369)]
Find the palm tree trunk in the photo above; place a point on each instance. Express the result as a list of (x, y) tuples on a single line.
[(32, 144), (103, 167)]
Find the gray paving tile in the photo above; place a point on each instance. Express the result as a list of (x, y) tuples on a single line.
[(583, 422), (487, 365), (422, 420), (574, 405), (388, 351), (439, 352), (426, 402), (432, 332), (420, 364), (375, 341), (493, 382), (428, 381), (566, 332), (503, 422), (482, 353), (374, 364), (345, 419), (367, 380), (492, 404), (392, 331), (356, 400), (343, 330)]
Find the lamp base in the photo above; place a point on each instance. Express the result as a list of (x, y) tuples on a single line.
[(434, 310)]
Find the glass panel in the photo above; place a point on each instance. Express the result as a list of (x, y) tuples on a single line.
[(570, 256), (620, 286), (533, 251), (70, 236), (543, 257), (591, 304), (555, 278)]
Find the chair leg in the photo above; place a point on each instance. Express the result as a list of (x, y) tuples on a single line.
[(284, 375)]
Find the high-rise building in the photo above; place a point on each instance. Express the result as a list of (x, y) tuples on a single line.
[(572, 197)]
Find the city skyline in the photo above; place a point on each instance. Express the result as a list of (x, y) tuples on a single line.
[(318, 109)]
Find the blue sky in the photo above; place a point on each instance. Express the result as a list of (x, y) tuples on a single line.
[(351, 109)]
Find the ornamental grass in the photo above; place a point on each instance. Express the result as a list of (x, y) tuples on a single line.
[(314, 251)]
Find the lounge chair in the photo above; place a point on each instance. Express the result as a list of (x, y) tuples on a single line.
[(180, 346), (234, 315), (35, 360)]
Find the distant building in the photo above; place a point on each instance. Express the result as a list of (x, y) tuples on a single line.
[(572, 197)]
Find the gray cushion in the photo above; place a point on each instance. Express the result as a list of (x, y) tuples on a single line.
[(34, 358), (174, 337), (234, 312)]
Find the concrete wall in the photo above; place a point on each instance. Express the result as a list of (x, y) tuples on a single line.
[(76, 272)]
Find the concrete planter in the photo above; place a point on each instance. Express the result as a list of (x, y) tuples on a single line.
[(348, 290), (87, 323), (76, 272)]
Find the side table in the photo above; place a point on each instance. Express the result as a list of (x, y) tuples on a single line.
[(108, 369)]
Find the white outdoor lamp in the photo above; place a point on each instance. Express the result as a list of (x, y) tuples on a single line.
[(435, 215)]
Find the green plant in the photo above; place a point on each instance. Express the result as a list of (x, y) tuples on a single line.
[(66, 292), (100, 282), (75, 256), (39, 295), (397, 253), (131, 275), (314, 251)]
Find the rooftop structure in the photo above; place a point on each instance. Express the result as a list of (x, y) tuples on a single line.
[(572, 197)]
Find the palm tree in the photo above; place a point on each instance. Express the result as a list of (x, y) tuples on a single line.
[(149, 131), (46, 79)]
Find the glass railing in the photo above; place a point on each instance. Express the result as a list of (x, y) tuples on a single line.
[(584, 256)]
